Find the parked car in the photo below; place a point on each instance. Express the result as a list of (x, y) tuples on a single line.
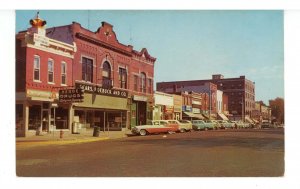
[(226, 124), (202, 125), (217, 124), (241, 125), (156, 126), (265, 124), (211, 124), (185, 125)]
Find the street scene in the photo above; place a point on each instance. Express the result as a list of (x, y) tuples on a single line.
[(220, 153), (101, 98)]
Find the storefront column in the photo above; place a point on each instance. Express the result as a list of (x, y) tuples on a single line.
[(25, 118), (71, 116)]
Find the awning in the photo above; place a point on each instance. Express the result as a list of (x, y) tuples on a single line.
[(192, 115), (247, 119), (222, 116), (102, 102), (205, 116)]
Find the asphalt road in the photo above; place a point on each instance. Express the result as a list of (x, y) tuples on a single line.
[(230, 153)]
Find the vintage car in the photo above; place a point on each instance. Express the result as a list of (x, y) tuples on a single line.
[(156, 126), (265, 124), (226, 124), (241, 125), (202, 125), (185, 125)]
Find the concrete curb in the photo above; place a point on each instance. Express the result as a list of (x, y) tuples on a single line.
[(58, 142)]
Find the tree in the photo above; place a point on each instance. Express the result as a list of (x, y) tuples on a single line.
[(277, 107)]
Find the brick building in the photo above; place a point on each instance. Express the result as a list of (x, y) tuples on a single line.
[(43, 65), (102, 62), (239, 91), (116, 79), (206, 89)]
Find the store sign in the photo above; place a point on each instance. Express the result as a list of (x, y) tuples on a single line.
[(168, 109), (37, 93), (41, 40), (140, 98), (196, 110), (101, 91), (196, 102), (186, 108), (70, 95)]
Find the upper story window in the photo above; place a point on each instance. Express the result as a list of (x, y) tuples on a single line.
[(143, 82), (123, 78), (87, 69), (135, 82), (50, 71), (149, 86), (106, 75), (63, 73), (36, 67)]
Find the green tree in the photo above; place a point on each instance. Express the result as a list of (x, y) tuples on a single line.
[(277, 107)]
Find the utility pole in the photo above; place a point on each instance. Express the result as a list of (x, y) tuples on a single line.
[(243, 109)]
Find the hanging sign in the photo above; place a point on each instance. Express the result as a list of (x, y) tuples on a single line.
[(71, 95)]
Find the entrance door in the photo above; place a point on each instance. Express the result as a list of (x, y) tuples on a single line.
[(142, 113), (45, 120)]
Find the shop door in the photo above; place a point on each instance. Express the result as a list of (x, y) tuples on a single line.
[(45, 120), (142, 113)]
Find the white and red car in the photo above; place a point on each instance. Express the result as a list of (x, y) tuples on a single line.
[(156, 126)]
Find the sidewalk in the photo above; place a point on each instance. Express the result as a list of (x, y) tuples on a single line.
[(54, 138)]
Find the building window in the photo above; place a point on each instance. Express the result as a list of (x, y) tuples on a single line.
[(123, 78), (36, 76), (135, 82), (106, 75), (50, 71), (63, 73), (87, 69), (149, 86), (143, 82)]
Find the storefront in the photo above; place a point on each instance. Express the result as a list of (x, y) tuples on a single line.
[(177, 107), (105, 108), (39, 112), (164, 106)]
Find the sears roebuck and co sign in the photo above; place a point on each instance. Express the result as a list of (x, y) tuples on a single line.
[(101, 91)]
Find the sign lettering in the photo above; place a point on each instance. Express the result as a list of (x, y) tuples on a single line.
[(70, 95), (101, 91)]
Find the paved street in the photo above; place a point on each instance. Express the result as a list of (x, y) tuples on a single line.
[(245, 152)]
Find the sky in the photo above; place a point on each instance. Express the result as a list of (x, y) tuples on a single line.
[(194, 44)]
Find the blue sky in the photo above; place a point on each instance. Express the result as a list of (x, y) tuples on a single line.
[(192, 45)]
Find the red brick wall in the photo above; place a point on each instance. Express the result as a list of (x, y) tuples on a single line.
[(20, 67), (116, 59), (44, 56)]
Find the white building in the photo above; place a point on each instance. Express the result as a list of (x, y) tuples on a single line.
[(164, 106)]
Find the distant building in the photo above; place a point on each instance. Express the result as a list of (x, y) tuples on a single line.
[(262, 112), (163, 106), (240, 92)]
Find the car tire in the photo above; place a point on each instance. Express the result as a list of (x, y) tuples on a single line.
[(143, 132), (182, 131), (205, 128)]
